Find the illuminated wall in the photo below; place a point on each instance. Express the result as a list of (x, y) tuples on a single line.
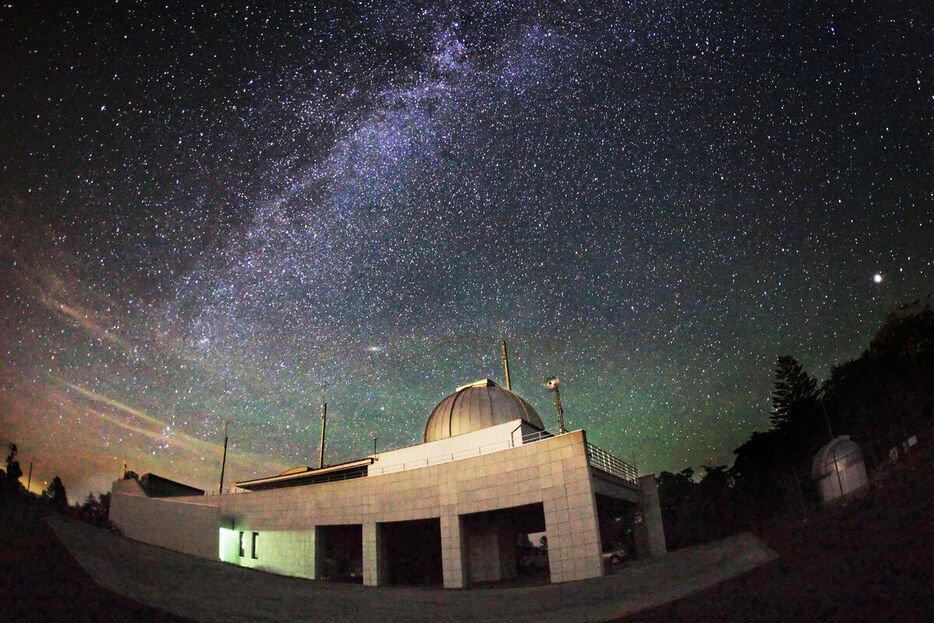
[(183, 524), (287, 552)]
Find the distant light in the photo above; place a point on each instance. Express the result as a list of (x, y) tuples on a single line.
[(877, 278)]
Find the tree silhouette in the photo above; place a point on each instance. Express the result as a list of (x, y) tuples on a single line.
[(887, 393), (13, 472), (55, 494), (907, 333), (96, 509), (879, 399), (794, 397), (676, 494)]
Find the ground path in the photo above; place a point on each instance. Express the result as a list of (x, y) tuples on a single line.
[(205, 590)]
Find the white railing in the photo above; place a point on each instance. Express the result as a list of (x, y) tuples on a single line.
[(539, 435), (607, 463), (448, 457), (596, 458)]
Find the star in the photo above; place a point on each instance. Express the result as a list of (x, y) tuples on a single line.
[(207, 214)]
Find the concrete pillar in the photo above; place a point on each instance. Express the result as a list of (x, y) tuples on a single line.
[(571, 521), (508, 565), (374, 556), (317, 552), (453, 539), (484, 556), (649, 530)]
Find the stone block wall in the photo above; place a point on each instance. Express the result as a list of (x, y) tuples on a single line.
[(287, 552), (553, 472)]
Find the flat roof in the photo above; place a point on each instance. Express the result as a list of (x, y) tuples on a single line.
[(306, 475), (159, 486)]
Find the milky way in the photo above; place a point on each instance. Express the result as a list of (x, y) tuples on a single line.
[(218, 213)]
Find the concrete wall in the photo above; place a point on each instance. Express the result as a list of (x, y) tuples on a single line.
[(553, 472), (491, 439), (571, 523), (649, 529), (288, 552), (492, 555), (183, 524)]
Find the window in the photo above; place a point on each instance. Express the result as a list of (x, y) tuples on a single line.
[(241, 544), (255, 539)]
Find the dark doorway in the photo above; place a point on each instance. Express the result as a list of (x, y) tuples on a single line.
[(617, 542), (507, 546), (413, 551), (339, 553)]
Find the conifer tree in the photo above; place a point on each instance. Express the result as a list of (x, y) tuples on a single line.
[(13, 470), (55, 494), (794, 397)]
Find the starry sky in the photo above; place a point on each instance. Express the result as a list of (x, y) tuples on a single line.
[(231, 211)]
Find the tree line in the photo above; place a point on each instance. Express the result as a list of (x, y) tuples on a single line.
[(879, 399), (95, 509)]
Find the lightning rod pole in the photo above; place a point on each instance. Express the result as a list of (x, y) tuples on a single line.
[(324, 423), (506, 365), (224, 460)]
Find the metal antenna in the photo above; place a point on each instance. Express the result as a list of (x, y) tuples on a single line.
[(506, 365), (820, 401), (324, 423), (223, 461)]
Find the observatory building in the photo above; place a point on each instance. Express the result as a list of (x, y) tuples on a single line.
[(839, 470), (455, 510)]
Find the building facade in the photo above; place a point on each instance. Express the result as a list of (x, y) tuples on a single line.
[(453, 510)]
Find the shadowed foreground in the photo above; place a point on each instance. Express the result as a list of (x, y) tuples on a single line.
[(869, 561), (206, 590), (40, 581)]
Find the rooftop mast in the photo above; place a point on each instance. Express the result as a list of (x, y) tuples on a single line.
[(506, 364), (551, 384), (223, 461), (324, 423)]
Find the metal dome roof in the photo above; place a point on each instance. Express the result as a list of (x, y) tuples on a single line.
[(837, 454), (475, 406)]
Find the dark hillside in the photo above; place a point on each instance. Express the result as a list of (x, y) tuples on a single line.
[(40, 581), (870, 561)]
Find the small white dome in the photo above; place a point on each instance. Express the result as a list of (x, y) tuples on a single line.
[(836, 455)]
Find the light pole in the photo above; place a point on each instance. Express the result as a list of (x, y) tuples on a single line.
[(551, 384)]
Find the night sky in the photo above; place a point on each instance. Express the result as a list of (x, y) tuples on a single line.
[(233, 212)]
